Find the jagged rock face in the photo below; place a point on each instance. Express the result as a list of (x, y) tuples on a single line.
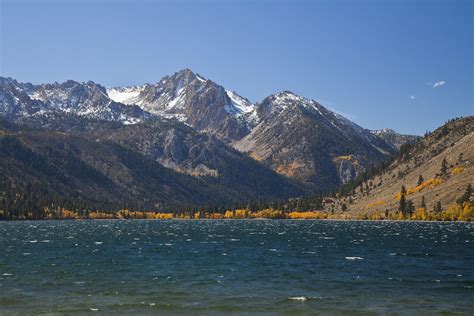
[(71, 94), (348, 168), (87, 99), (198, 102), (347, 171), (84, 99), (393, 138), (300, 138), (178, 147), (175, 146), (14, 102), (294, 136)]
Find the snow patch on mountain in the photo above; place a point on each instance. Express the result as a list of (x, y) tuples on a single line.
[(86, 99), (200, 78), (283, 103), (240, 104), (288, 96), (125, 95), (178, 100), (384, 131)]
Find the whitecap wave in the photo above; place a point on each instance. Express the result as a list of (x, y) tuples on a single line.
[(298, 298)]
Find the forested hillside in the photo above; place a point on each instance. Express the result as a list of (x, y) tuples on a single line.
[(44, 169)]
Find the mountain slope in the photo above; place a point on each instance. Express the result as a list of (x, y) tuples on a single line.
[(296, 137), (301, 139), (199, 102), (89, 100), (178, 147), (453, 142), (93, 174)]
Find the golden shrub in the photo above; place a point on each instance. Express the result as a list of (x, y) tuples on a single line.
[(376, 203), (307, 215)]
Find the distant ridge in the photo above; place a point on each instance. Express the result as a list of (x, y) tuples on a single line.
[(295, 137)]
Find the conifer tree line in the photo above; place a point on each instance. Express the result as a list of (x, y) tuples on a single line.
[(35, 202)]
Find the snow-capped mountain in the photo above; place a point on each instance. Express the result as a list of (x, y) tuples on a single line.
[(83, 99), (393, 138), (194, 100), (15, 102), (284, 105), (302, 139), (294, 136)]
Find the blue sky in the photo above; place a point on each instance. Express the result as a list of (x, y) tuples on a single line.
[(377, 62)]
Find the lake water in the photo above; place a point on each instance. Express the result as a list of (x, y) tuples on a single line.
[(235, 267)]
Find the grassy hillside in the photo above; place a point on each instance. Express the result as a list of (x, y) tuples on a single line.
[(437, 169)]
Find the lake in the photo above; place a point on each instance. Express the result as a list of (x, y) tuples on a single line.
[(235, 267)]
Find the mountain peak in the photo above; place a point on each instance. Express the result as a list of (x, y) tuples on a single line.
[(183, 77), (286, 97), (280, 101), (394, 138), (6, 80), (287, 92), (185, 71), (383, 131), (189, 76)]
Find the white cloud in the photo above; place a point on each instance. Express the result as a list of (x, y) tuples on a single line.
[(412, 97), (439, 84)]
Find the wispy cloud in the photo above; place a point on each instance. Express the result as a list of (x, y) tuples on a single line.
[(439, 84), (412, 97)]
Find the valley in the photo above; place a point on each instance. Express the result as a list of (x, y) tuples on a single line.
[(187, 145)]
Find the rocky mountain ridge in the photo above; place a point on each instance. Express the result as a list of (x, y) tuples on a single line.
[(89, 100), (198, 102), (296, 137), (393, 138), (302, 139)]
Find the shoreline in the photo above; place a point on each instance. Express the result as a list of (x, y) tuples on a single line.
[(232, 219)]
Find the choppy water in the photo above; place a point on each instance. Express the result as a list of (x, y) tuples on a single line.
[(240, 267)]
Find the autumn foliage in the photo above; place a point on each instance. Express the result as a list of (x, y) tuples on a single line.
[(428, 184)]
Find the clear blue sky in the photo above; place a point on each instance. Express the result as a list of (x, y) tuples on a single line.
[(377, 62)]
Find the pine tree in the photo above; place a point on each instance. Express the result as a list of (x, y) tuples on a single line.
[(344, 207), (402, 207), (403, 190), (438, 208), (410, 208), (420, 180), (466, 196), (423, 204), (444, 166)]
